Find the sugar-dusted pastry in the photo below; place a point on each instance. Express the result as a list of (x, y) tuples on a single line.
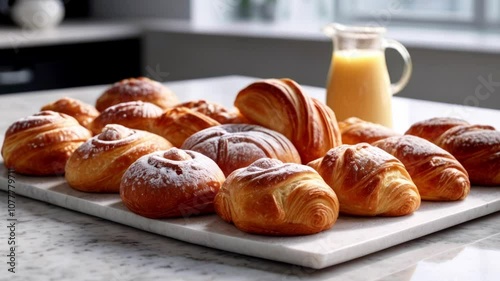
[(171, 183), (476, 147), (99, 163), (133, 114), (436, 173), (355, 130), (234, 146), (135, 89), (282, 105), (40, 145), (215, 111), (81, 111), (368, 181), (179, 123), (270, 197)]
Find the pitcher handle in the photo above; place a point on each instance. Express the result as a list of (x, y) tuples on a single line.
[(405, 77)]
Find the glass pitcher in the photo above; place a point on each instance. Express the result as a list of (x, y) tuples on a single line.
[(358, 81)]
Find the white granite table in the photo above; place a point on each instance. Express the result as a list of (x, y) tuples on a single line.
[(59, 244)]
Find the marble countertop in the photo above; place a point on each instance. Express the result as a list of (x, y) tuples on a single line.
[(58, 244)]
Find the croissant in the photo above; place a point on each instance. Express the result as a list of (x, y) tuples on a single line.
[(272, 198), (40, 144), (179, 123), (233, 146), (215, 111), (436, 173), (134, 115), (171, 183), (83, 112), (99, 163), (368, 181), (281, 105), (355, 130), (137, 89), (476, 147)]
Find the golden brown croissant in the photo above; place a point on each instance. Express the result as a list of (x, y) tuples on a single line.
[(81, 111), (134, 115), (234, 146), (40, 144), (99, 163), (171, 183), (355, 130), (178, 123), (137, 89), (272, 198), (281, 105), (432, 129), (436, 173), (368, 181), (476, 147), (215, 111)]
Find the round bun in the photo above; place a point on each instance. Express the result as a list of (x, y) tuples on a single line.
[(171, 183), (272, 198), (83, 112), (134, 89), (215, 111), (233, 146), (40, 144), (99, 163), (134, 115), (355, 130)]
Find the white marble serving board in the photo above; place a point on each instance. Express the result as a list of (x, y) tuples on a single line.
[(350, 237)]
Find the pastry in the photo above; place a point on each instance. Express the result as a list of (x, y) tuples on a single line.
[(355, 130), (81, 111), (171, 183), (476, 147), (137, 89), (215, 111), (272, 198), (40, 145), (436, 173), (281, 105), (134, 115), (99, 163), (368, 181), (234, 146), (178, 123)]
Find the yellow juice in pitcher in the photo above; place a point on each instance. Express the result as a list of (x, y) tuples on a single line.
[(359, 85)]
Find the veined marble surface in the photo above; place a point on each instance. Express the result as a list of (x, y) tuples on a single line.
[(58, 244)]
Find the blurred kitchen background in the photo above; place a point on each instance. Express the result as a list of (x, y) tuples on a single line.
[(47, 44)]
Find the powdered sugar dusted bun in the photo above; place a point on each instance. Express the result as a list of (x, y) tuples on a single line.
[(171, 183), (99, 163), (134, 89), (215, 111), (40, 144), (179, 123), (234, 146), (273, 198), (83, 112), (134, 114), (355, 130)]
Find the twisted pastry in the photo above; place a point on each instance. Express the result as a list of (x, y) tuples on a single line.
[(281, 105), (355, 130), (215, 111), (272, 198), (368, 181), (134, 115), (476, 147), (171, 183), (179, 123), (137, 89), (40, 145), (233, 146), (436, 173), (83, 112), (99, 163)]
